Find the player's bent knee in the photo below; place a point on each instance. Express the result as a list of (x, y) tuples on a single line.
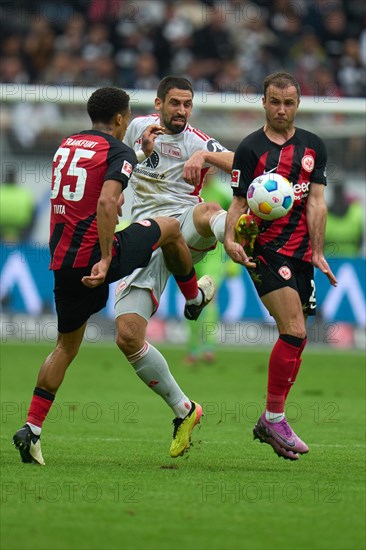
[(207, 209), (130, 336), (170, 230), (294, 329), (127, 343), (203, 216)]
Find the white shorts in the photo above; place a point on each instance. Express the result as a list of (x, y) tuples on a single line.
[(154, 277)]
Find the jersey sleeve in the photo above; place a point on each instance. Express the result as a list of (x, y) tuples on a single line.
[(121, 162), (131, 133), (199, 141), (137, 127), (242, 173), (214, 146), (319, 174)]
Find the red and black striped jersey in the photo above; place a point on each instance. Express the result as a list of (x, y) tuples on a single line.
[(81, 165), (302, 160)]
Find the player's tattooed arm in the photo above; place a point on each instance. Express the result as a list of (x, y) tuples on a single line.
[(148, 139)]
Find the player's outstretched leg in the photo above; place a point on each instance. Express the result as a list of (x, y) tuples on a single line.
[(207, 287), (182, 430), (29, 445), (178, 260), (281, 437)]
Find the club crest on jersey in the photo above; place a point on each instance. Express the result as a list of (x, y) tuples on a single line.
[(145, 223), (153, 160), (235, 176), (285, 272), (171, 150), (126, 169), (308, 163)]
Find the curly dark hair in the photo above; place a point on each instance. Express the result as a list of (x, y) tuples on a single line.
[(170, 82), (104, 103)]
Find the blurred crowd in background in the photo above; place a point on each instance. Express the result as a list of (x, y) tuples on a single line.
[(217, 45)]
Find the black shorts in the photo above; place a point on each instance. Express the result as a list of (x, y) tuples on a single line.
[(276, 271), (75, 302)]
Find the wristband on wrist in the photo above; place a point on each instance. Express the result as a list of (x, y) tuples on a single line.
[(140, 155)]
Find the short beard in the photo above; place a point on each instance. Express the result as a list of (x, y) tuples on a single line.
[(174, 129)]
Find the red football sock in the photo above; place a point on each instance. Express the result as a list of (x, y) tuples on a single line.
[(188, 285), (297, 367), (39, 407), (282, 364)]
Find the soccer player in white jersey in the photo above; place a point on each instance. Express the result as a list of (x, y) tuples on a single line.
[(168, 183)]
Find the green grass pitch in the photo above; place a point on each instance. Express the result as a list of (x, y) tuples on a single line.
[(109, 482)]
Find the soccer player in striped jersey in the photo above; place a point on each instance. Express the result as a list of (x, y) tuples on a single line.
[(287, 249), (89, 173)]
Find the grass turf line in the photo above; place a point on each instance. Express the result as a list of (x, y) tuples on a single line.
[(109, 482)]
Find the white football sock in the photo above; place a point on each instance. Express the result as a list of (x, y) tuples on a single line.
[(35, 429), (152, 368), (197, 301), (274, 417), (217, 224)]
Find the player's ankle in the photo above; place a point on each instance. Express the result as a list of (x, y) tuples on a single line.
[(197, 301), (274, 417)]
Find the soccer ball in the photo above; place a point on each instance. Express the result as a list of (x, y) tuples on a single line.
[(270, 196)]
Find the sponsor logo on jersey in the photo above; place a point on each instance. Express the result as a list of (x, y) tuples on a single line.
[(214, 146), (235, 176), (145, 223), (308, 163), (285, 272), (126, 169), (301, 189), (153, 160), (171, 150), (270, 171)]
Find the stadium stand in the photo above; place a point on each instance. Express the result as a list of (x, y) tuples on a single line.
[(215, 44)]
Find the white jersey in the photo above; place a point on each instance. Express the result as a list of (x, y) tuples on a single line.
[(157, 184)]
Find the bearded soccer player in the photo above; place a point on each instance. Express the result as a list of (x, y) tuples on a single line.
[(168, 183), (287, 249), (89, 173)]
